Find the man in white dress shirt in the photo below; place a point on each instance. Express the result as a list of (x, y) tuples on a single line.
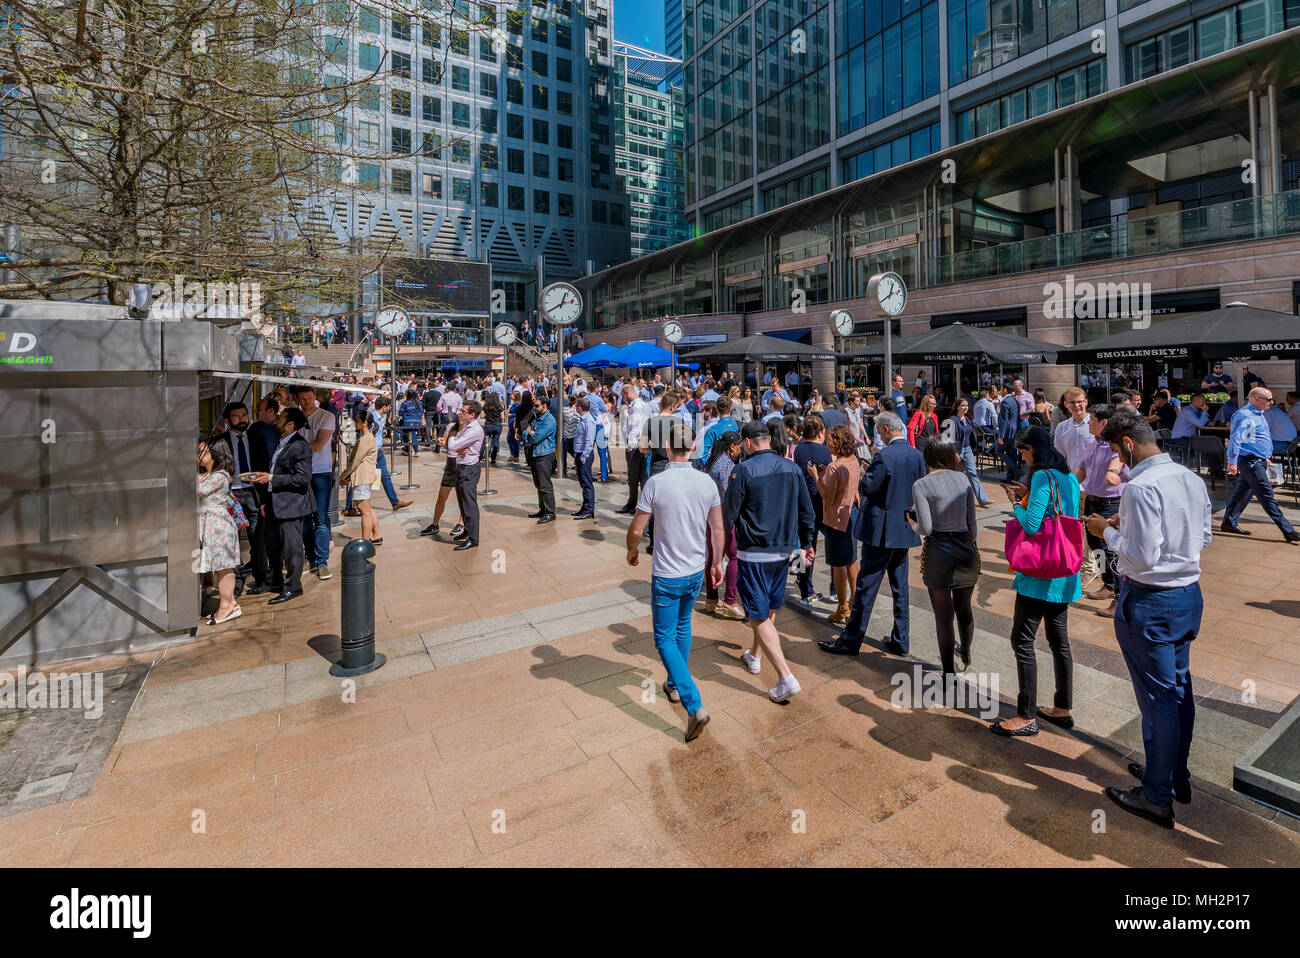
[(1163, 524)]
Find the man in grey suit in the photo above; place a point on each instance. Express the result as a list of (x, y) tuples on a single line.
[(886, 493), (288, 499)]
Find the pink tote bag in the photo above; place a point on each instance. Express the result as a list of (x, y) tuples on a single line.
[(1054, 551)]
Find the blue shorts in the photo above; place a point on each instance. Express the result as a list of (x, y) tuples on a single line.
[(762, 587)]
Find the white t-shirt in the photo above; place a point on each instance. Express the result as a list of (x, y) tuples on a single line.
[(322, 461), (679, 498)]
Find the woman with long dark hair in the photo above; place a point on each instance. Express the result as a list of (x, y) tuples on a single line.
[(1052, 490), (960, 429), (950, 559)]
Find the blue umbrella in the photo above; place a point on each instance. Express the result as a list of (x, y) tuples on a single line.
[(586, 357), (639, 356)]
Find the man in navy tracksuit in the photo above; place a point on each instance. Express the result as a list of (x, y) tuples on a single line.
[(886, 493), (768, 506)]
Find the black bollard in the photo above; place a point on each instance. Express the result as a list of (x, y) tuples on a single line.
[(358, 614)]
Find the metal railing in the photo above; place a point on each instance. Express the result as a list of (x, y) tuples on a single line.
[(1241, 220), (361, 353)]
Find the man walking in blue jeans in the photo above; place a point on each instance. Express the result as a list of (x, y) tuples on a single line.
[(1157, 538), (319, 434), (685, 505)]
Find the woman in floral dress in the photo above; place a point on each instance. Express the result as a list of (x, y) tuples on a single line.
[(218, 534)]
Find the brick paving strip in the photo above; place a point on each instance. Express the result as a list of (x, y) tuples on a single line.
[(530, 735)]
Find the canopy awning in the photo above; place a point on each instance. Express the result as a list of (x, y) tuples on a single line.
[(1235, 330), (760, 348), (287, 381), (959, 343)]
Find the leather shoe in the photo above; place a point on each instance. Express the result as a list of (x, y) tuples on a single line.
[(1235, 530), (549, 517), (257, 590), (583, 515), (536, 515), (1292, 536), (465, 545), (1182, 793), (892, 647), (624, 511), (838, 647), (462, 537), (285, 597), (1134, 800)]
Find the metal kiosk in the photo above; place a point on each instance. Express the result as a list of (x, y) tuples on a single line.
[(99, 419)]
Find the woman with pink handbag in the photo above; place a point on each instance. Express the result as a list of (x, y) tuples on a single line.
[(1045, 550)]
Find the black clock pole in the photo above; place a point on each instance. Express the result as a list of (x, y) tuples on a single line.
[(559, 384)]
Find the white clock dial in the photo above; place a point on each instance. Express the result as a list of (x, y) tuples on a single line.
[(673, 331), (891, 294), (842, 320), (561, 304), (392, 321), (504, 333)]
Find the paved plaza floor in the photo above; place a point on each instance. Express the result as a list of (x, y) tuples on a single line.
[(520, 720)]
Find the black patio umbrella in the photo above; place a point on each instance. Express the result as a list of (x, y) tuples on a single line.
[(959, 343), (1231, 331), (761, 349)]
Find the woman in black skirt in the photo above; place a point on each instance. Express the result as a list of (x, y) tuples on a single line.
[(950, 559)]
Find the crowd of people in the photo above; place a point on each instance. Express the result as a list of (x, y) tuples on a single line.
[(733, 484)]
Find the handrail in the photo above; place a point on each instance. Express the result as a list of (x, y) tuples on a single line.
[(363, 351)]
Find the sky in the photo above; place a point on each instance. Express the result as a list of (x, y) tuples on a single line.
[(640, 22)]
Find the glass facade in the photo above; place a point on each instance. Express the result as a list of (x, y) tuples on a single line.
[(889, 58), (983, 34), (1052, 93), (1208, 35)]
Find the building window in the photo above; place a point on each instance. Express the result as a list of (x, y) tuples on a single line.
[(460, 78), (401, 29), (487, 85), (540, 30), (431, 109), (487, 120), (368, 19), (541, 202), (460, 151), (487, 156), (431, 185), (540, 64), (486, 52), (515, 198), (566, 204), (514, 91), (514, 57), (336, 50), (401, 182), (541, 166), (563, 136), (514, 126), (564, 169), (401, 139), (541, 97), (489, 194), (462, 189), (563, 70), (401, 103), (541, 131), (460, 115), (369, 57), (431, 72), (564, 102), (616, 216), (460, 42), (369, 176), (431, 34), (368, 136), (431, 145), (401, 66), (564, 36), (514, 161), (598, 211)]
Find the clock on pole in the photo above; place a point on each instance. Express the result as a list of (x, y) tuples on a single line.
[(561, 304), (887, 294), (393, 321)]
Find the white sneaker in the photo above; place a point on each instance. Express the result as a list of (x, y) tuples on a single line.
[(752, 662), (784, 689)]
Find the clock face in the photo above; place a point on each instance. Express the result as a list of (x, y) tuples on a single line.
[(392, 321), (504, 333), (673, 331), (891, 294), (561, 304), (842, 320)]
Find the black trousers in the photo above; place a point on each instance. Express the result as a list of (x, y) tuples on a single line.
[(284, 553), (637, 469), (256, 535), (1029, 612), (467, 498), (1107, 508), (541, 467)]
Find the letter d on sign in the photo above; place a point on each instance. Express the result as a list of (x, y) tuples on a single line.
[(22, 343)]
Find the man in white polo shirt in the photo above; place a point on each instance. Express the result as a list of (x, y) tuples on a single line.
[(685, 505)]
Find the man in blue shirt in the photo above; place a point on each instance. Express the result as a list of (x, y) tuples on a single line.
[(1228, 409), (986, 410), (1250, 447), (584, 447), (1280, 427), (540, 438), (1190, 417)]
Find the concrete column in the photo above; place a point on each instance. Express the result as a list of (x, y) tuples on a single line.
[(823, 372)]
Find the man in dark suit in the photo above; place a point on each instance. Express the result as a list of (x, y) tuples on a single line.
[(288, 498), (249, 454), (1008, 426), (886, 535)]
